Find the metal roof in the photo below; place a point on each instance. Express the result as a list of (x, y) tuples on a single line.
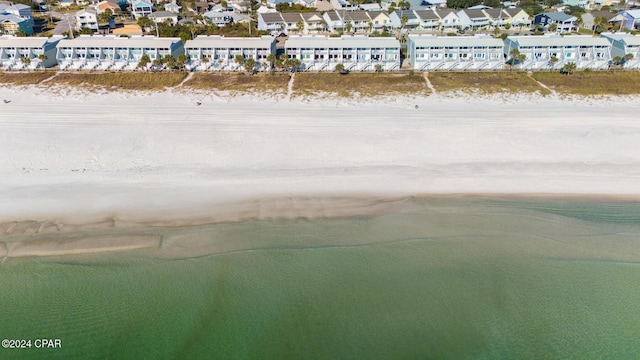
[(559, 16), (114, 41), (291, 17), (345, 41), (29, 42), (426, 15), (274, 17), (555, 40), (358, 15), (455, 41), (217, 41), (627, 39)]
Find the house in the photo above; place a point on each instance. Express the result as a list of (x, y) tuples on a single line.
[(20, 10), (370, 7), (473, 19), (589, 19), (554, 51), (354, 52), (396, 19), (11, 24), (220, 19), (41, 52), (516, 17), (579, 3), (429, 19), (564, 22), (141, 8), (293, 22), (457, 53), (313, 22), (622, 45), (65, 3), (215, 52), (333, 20), (172, 8), (86, 18), (496, 17), (345, 5), (449, 19), (109, 52), (630, 19), (379, 19), (103, 6), (271, 21), (357, 20), (164, 17)]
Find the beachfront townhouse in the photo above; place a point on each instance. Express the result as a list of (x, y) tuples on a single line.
[(517, 17), (218, 53), (449, 19), (109, 52), (27, 52), (622, 45), (358, 21), (313, 22), (141, 8), (458, 53), (379, 19), (271, 21), (396, 18), (562, 21), (333, 20), (428, 19), (354, 52), (630, 19), (86, 18), (496, 17), (11, 24), (553, 51), (293, 22), (473, 19)]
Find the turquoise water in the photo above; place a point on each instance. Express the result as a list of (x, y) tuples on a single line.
[(455, 278)]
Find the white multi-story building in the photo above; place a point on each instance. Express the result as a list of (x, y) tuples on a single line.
[(554, 51), (27, 52), (355, 53), (218, 53), (430, 53), (86, 18), (625, 45), (108, 52)]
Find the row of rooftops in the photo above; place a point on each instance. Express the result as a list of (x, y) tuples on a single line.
[(304, 41)]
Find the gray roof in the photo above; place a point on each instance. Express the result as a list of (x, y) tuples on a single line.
[(161, 14), (558, 16), (345, 41), (87, 10), (11, 18), (291, 17), (455, 41), (513, 12), (408, 13), (308, 15), (605, 14), (333, 15), (427, 15), (627, 39), (217, 41), (274, 17), (475, 14), (356, 16), (30, 42), (495, 13), (555, 40), (114, 41)]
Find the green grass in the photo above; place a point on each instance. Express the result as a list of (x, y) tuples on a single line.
[(363, 84), (240, 82), (592, 82), (125, 81), (485, 83), (24, 78)]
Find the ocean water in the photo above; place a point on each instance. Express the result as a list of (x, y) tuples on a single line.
[(452, 279)]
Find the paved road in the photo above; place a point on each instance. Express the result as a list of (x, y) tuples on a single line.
[(62, 25)]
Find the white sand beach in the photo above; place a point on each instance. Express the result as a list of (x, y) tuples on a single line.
[(161, 159)]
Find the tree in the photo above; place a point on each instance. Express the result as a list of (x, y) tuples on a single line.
[(516, 57), (598, 24), (553, 27), (43, 57), (271, 58), (145, 22), (339, 68), (85, 31), (627, 57), (182, 60), (144, 61), (105, 16), (569, 68), (349, 26), (300, 26), (249, 65), (378, 68), (553, 60), (617, 60), (507, 26), (239, 59), (403, 22), (25, 60)]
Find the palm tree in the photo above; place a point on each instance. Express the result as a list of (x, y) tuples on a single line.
[(616, 60), (569, 68), (339, 68), (628, 57), (271, 58), (378, 68), (553, 62), (43, 58), (348, 26), (144, 61), (553, 27), (182, 60), (516, 57), (403, 22), (300, 26), (249, 65), (598, 23)]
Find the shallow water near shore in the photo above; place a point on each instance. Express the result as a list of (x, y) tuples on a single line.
[(451, 278)]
